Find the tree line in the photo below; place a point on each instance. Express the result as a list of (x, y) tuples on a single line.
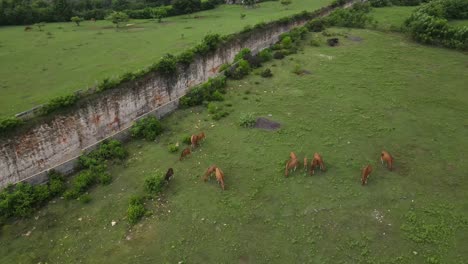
[(26, 12)]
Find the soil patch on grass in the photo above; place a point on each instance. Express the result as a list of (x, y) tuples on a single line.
[(266, 124)]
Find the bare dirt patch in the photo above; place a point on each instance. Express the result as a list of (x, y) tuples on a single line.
[(266, 124), (354, 38)]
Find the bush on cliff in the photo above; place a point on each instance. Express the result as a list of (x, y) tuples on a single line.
[(147, 128)]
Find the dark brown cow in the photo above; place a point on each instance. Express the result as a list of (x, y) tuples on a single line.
[(366, 171), (185, 152), (169, 174)]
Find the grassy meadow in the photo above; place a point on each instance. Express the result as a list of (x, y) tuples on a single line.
[(38, 65), (374, 91), (391, 18)]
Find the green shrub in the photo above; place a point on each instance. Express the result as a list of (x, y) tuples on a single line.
[(224, 67), (242, 54), (247, 120), (106, 84), (427, 24), (56, 183), (104, 178), (59, 103), (220, 114), (10, 123), (185, 57), (278, 55), (147, 128), (266, 73), (154, 184), (204, 92), (265, 55), (85, 198), (187, 140), (217, 96), (135, 212), (286, 42), (239, 70), (316, 25), (356, 17), (167, 65), (41, 193), (173, 148)]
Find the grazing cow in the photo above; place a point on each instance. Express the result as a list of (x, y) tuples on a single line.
[(317, 161), (195, 139), (292, 155), (387, 158), (305, 163), (366, 171), (209, 172), (169, 174), (27, 28), (291, 164), (201, 136), (185, 152), (220, 177)]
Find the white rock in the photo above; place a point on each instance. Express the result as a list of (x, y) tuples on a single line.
[(113, 223)]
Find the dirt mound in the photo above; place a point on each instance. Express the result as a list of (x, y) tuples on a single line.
[(266, 124)]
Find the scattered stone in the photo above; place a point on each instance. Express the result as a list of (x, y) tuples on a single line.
[(415, 252), (79, 219), (113, 223)]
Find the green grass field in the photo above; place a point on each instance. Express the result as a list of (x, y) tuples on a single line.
[(381, 92), (460, 22), (37, 66), (391, 17)]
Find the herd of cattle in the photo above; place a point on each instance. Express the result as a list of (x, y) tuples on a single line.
[(291, 164)]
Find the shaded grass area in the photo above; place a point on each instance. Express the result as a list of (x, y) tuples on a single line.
[(360, 97), (391, 18), (459, 22), (39, 65)]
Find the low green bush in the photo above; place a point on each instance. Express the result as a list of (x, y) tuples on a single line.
[(9, 124), (428, 24), (247, 120), (136, 210), (167, 65), (265, 55), (173, 148), (212, 90), (154, 184), (316, 25), (147, 128), (278, 55), (106, 84), (59, 103), (356, 17), (85, 198), (187, 140), (266, 73)]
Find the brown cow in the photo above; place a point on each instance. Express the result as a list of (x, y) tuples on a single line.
[(220, 177), (317, 161), (366, 171), (169, 174), (195, 139), (387, 158), (209, 172), (291, 164), (292, 155), (185, 152), (305, 163)]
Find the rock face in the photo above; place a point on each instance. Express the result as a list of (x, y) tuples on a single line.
[(56, 143)]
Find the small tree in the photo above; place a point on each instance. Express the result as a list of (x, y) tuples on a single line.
[(285, 3), (159, 14), (117, 18), (40, 25), (77, 20)]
